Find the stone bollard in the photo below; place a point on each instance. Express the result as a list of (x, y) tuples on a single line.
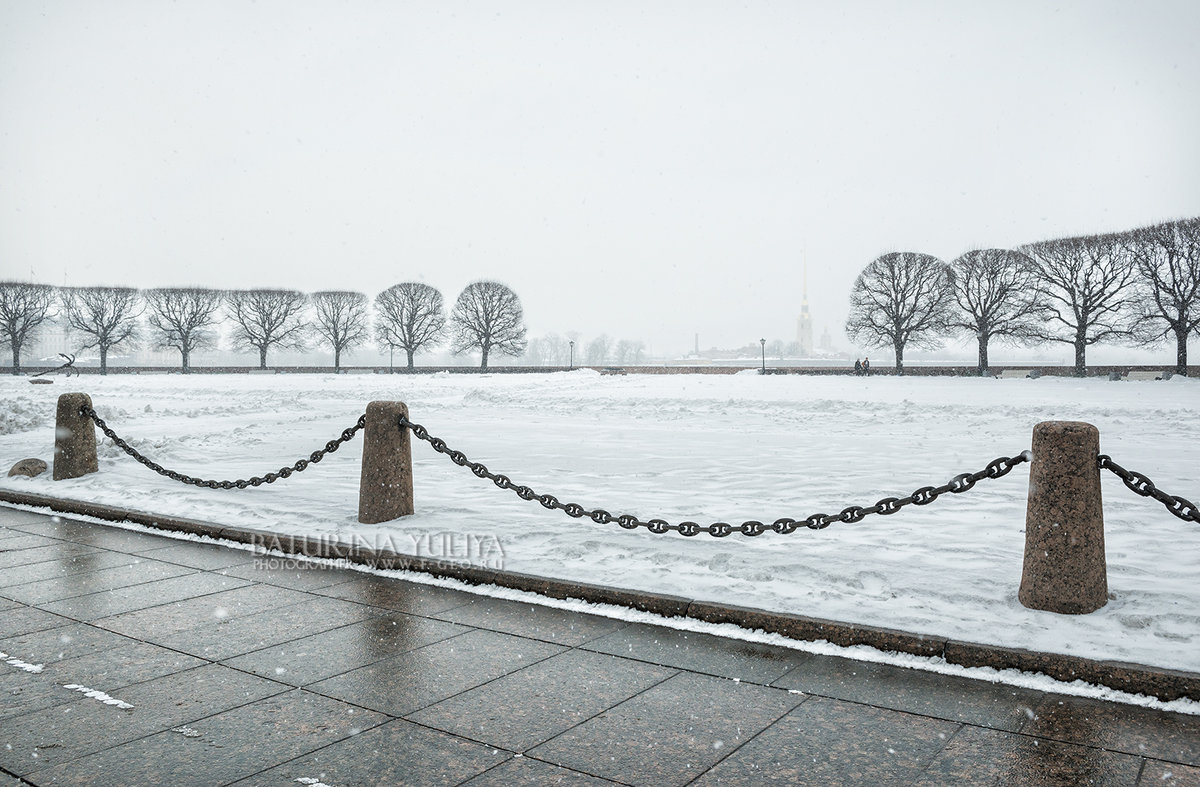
[(1064, 569), (385, 490), (74, 438)]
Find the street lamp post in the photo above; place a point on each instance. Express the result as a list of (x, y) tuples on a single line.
[(572, 343), (763, 344)]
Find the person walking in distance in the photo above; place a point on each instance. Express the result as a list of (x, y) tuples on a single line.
[(858, 367), (866, 365)]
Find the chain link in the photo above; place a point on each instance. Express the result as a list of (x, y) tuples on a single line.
[(1179, 506), (889, 505), (270, 478)]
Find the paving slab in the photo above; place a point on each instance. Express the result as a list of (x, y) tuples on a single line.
[(83, 582), (57, 551), (232, 636), (398, 754), (825, 741), (16, 541), (726, 658), (56, 526), (24, 692), (99, 536), (383, 591), (671, 733), (300, 662), (1169, 774), (223, 747), (302, 576), (109, 670), (122, 667), (50, 737), (535, 621), (528, 707), (200, 555), (407, 682), (525, 772), (1145, 732), (62, 642), (23, 620), (66, 560), (980, 756), (188, 587), (949, 697), (157, 622)]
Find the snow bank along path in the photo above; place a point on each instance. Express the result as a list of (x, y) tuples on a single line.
[(689, 447)]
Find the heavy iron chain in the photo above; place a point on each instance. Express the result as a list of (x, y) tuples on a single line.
[(889, 505), (1179, 506), (269, 478)]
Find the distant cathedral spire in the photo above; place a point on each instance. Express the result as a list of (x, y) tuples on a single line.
[(804, 328)]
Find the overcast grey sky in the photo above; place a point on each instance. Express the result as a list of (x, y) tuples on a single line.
[(646, 169)]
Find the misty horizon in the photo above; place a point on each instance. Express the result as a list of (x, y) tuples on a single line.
[(648, 171)]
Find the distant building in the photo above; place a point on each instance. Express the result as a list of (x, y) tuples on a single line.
[(804, 327), (826, 341), (51, 340)]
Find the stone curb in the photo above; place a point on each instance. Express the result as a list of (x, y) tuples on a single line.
[(1165, 684)]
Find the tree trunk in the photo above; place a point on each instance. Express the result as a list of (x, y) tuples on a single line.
[(103, 359), (1181, 339), (262, 357), (337, 359), (185, 367), (900, 359), (983, 355), (1080, 356), (483, 363), (410, 360), (16, 348)]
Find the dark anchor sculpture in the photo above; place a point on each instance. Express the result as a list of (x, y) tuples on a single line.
[(69, 366)]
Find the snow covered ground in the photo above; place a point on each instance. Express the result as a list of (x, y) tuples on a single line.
[(699, 447)]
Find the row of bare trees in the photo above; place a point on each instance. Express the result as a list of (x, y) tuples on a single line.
[(410, 317), (1136, 287)]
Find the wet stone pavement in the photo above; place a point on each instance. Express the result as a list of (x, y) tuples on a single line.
[(134, 659)]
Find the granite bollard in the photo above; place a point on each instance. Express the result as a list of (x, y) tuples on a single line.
[(74, 438), (1064, 568), (385, 488)]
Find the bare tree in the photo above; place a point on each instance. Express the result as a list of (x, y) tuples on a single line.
[(598, 350), (182, 318), (23, 308), (488, 317), (411, 316), (1167, 257), (341, 320), (900, 299), (1085, 291), (267, 318), (628, 351), (107, 315), (536, 352), (995, 295), (550, 350)]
